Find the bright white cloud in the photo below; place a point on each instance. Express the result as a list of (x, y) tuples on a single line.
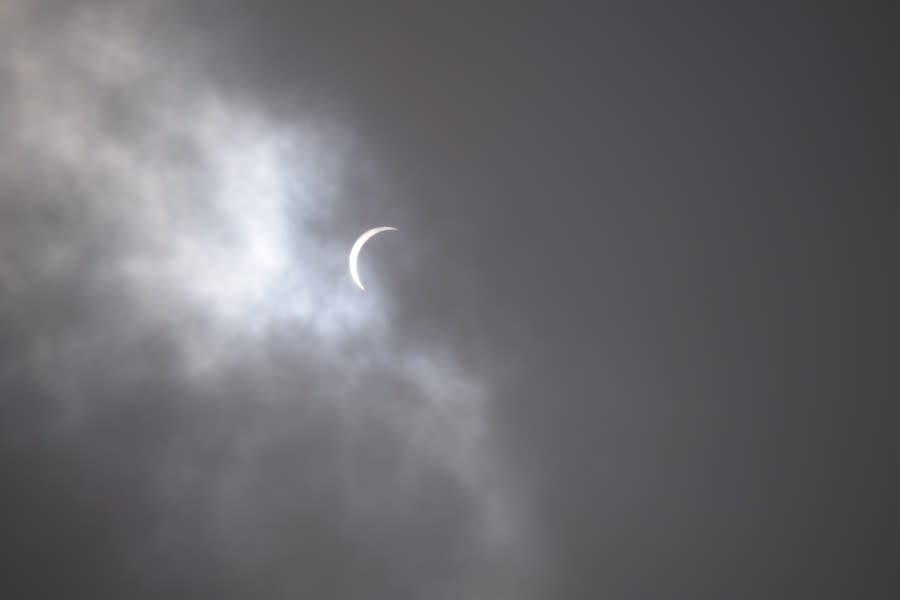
[(209, 209)]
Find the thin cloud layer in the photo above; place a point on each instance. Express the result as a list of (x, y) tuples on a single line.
[(172, 258)]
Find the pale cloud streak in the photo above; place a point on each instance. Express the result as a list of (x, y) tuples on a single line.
[(209, 223)]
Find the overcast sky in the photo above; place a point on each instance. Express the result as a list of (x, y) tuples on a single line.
[(634, 336)]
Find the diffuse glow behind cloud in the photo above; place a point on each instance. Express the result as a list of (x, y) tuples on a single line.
[(209, 193), (211, 220)]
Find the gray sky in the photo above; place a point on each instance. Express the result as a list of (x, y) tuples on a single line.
[(633, 338)]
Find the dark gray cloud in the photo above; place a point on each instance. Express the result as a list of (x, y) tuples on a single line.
[(628, 342)]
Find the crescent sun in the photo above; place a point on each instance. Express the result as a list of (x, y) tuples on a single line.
[(357, 246)]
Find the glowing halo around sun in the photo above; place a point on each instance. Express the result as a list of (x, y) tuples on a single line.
[(357, 246)]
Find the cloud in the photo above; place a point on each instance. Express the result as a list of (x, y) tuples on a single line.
[(182, 340)]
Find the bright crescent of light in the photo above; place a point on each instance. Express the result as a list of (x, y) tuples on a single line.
[(357, 246)]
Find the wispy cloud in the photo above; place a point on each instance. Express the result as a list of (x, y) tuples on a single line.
[(146, 208)]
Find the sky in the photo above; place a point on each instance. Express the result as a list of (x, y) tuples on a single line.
[(635, 335)]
